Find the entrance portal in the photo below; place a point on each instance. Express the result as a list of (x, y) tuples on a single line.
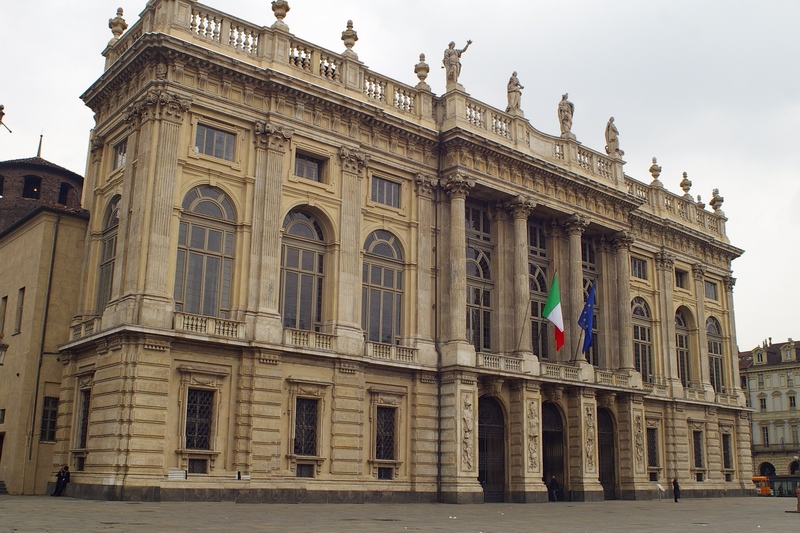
[(491, 450), (553, 446), (607, 451)]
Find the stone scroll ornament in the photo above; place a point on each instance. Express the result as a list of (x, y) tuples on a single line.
[(467, 432), (533, 436)]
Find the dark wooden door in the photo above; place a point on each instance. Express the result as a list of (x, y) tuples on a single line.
[(606, 445), (491, 450), (553, 446)]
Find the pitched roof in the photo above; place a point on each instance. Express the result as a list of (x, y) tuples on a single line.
[(39, 162)]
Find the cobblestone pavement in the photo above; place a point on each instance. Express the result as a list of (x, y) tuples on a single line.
[(43, 513)]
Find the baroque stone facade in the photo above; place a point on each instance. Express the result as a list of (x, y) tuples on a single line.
[(327, 285)]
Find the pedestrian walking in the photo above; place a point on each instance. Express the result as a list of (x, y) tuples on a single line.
[(553, 489), (676, 489)]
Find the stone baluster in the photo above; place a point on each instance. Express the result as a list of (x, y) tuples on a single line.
[(520, 208), (622, 242), (574, 226)]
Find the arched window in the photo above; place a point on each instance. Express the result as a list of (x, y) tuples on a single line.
[(302, 271), (642, 338), (682, 347), (715, 354), (382, 288), (479, 278), (204, 270), (537, 281), (108, 254)]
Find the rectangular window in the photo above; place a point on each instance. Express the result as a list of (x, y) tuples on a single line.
[(20, 305), (305, 427), (214, 142), (2, 416), (727, 455), (682, 279), (120, 154), (385, 433), (712, 290), (638, 268), (794, 435), (698, 449), (49, 414), (789, 376), (198, 466), (83, 426), (32, 187), (310, 168), (765, 436), (652, 448), (761, 381), (385, 192), (199, 410), (792, 402), (3, 305), (762, 403)]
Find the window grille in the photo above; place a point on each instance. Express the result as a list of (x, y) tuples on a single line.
[(305, 427), (199, 407)]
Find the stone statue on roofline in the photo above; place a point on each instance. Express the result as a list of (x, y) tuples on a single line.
[(452, 64), (514, 89), (612, 140), (565, 111)]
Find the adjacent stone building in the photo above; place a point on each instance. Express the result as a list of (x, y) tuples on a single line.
[(771, 380), (305, 281)]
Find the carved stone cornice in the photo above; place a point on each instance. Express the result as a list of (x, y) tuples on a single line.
[(698, 271), (622, 240), (665, 261), (353, 159), (158, 103), (520, 207), (729, 282), (575, 224), (270, 135), (457, 185), (425, 184)]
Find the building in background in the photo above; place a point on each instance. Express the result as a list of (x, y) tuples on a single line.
[(771, 379), (305, 281), (42, 231)]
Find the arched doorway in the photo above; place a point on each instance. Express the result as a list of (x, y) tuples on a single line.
[(606, 447), (491, 450), (553, 445), (767, 469), (794, 467)]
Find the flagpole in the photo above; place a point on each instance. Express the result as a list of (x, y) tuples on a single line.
[(578, 348)]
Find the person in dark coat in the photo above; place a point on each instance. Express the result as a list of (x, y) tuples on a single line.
[(62, 478), (676, 489), (553, 489)]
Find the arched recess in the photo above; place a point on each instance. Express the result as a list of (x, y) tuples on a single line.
[(553, 439), (794, 467), (766, 469), (607, 453), (491, 449)]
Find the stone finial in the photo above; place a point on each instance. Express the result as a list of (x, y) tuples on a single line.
[(686, 184), (700, 203), (279, 9), (349, 37), (655, 171), (117, 26), (422, 69), (716, 202)]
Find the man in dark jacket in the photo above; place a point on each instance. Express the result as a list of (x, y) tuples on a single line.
[(553, 489), (62, 478), (676, 489)]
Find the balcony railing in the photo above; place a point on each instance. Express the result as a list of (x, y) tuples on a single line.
[(777, 448), (604, 377), (86, 328), (309, 339), (391, 352), (499, 362), (208, 325), (571, 373)]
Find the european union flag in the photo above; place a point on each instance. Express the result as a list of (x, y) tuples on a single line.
[(586, 319)]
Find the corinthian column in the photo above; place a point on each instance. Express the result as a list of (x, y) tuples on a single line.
[(664, 271), (575, 225), (425, 187), (457, 187), (520, 208), (622, 244), (263, 286)]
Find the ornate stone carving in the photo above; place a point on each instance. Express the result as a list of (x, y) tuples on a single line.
[(607, 400), (716, 201), (452, 63), (457, 185), (612, 140), (521, 206), (664, 261), (349, 37), (514, 89), (590, 430), (161, 71), (425, 184), (279, 9), (353, 160), (158, 103), (565, 111), (97, 148), (554, 394), (533, 435), (492, 386), (686, 184), (622, 240), (422, 69), (271, 135), (729, 282), (699, 271), (655, 171), (117, 25), (467, 431), (575, 224), (639, 443)]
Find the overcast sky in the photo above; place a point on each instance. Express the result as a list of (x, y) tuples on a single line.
[(711, 88)]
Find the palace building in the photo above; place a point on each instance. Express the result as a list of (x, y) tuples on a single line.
[(306, 281)]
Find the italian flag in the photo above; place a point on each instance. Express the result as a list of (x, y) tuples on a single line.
[(552, 312)]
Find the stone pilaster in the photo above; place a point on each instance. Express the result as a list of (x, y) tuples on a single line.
[(632, 446), (699, 272), (525, 458), (582, 445), (426, 186), (265, 252), (459, 434), (665, 264), (520, 209), (348, 326), (622, 244), (731, 354), (347, 420), (575, 225)]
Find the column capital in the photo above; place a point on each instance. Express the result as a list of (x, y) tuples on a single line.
[(622, 240), (271, 135), (158, 103), (425, 184), (699, 271), (729, 282), (665, 261), (353, 159), (575, 224), (457, 185), (97, 147), (520, 207)]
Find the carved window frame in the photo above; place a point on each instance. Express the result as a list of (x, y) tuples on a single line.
[(314, 389), (726, 430), (79, 451), (216, 125), (698, 427), (655, 424), (402, 189), (326, 181), (208, 378), (386, 397)]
